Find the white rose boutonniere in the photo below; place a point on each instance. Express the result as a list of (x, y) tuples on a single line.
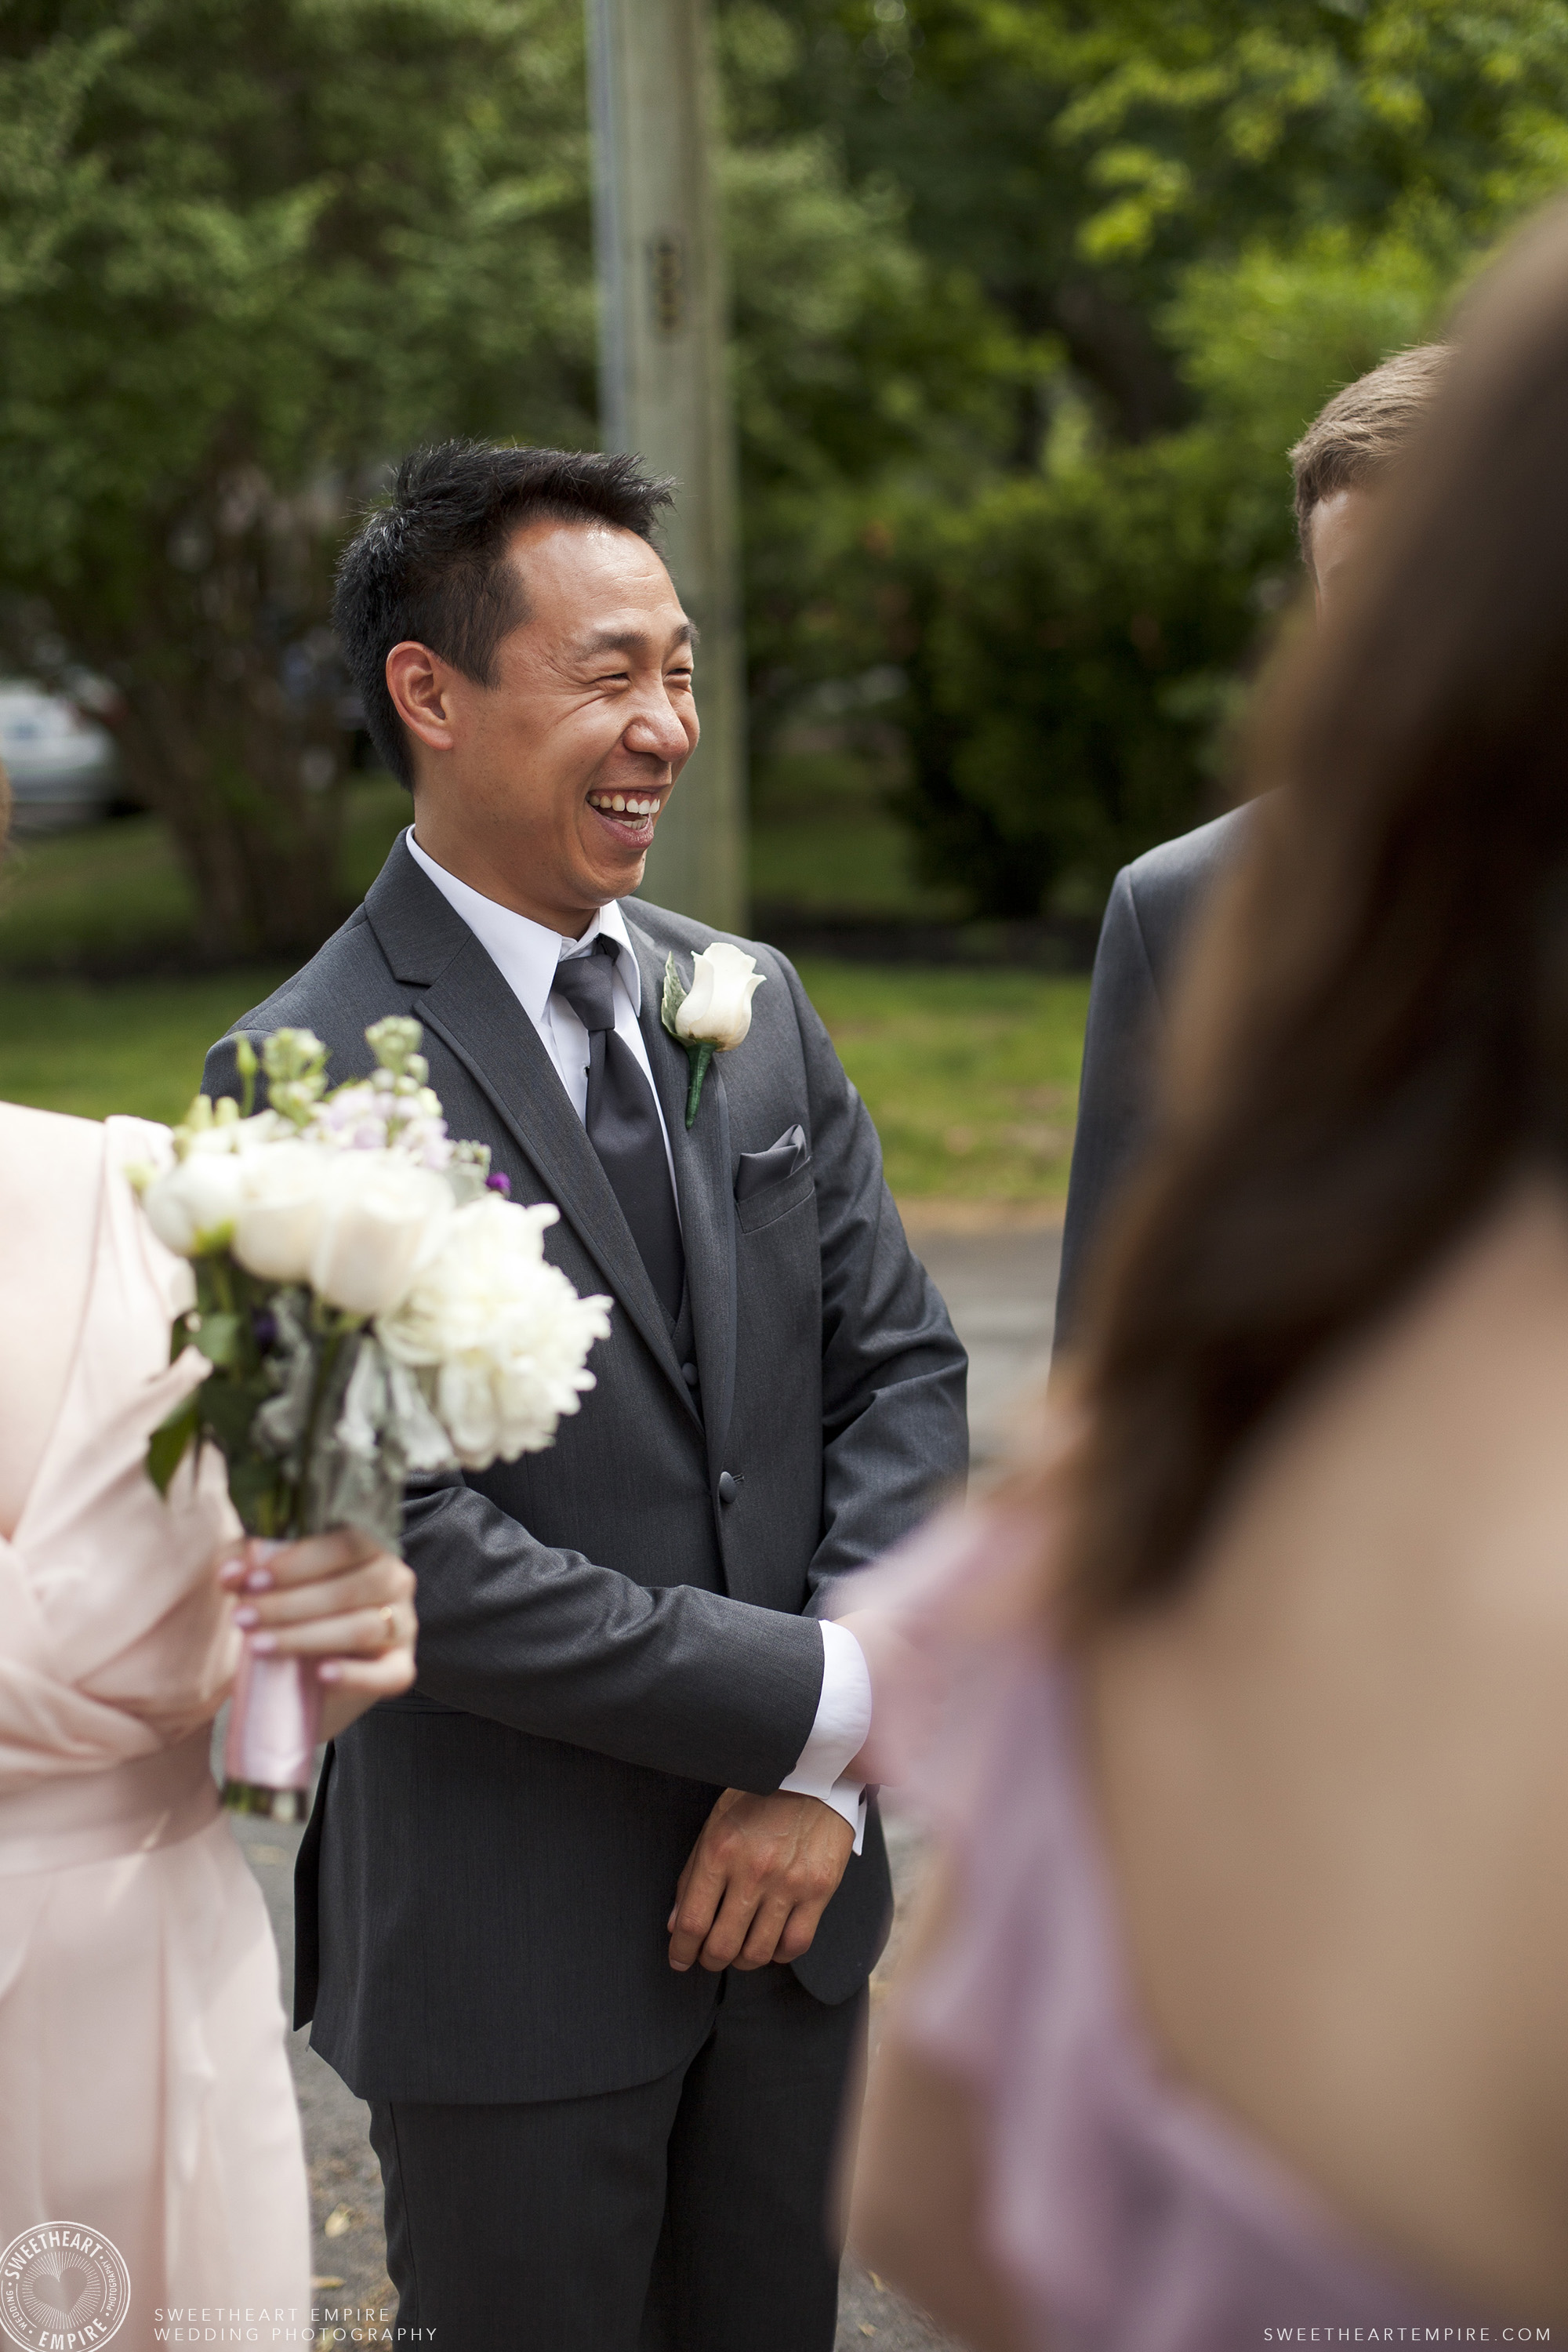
[(714, 1013)]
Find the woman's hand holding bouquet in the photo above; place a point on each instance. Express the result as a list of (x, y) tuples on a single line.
[(337, 1599)]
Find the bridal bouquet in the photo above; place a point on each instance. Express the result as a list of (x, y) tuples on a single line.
[(370, 1305)]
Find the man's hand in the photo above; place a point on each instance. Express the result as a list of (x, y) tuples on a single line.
[(757, 1880)]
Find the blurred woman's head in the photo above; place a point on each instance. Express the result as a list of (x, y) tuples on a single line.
[(1375, 1033)]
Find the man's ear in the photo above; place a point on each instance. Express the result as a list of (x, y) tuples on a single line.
[(420, 685)]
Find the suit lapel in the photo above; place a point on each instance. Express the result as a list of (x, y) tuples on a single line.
[(704, 1189), (469, 1007)]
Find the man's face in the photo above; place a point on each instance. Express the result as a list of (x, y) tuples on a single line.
[(1337, 530), (543, 790)]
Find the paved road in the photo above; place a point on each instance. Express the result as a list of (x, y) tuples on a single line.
[(1000, 1284)]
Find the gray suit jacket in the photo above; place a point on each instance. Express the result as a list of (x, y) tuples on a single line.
[(604, 1644), (1152, 905)]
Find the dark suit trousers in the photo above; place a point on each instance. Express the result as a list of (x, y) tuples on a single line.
[(689, 2214)]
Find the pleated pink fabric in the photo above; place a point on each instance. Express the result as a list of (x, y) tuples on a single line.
[(144, 2086)]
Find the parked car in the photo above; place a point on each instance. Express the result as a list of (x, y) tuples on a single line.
[(64, 767)]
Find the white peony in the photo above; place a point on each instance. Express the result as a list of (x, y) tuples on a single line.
[(382, 1220), (499, 1336), (279, 1222), (716, 1007)]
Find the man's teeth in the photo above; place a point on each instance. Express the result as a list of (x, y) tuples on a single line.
[(617, 805)]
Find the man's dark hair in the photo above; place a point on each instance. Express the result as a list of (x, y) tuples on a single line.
[(429, 566), (1363, 428)]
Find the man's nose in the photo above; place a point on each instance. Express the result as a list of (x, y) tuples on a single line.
[(657, 731)]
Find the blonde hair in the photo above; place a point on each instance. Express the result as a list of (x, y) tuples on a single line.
[(1363, 429)]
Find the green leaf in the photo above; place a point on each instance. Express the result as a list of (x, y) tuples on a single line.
[(675, 996), (171, 1441), (219, 1338), (260, 1493), (228, 1407)]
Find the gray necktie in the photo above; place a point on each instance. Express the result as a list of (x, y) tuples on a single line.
[(623, 1121)]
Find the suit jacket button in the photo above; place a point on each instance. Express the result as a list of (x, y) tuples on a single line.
[(689, 1375), (726, 1488)]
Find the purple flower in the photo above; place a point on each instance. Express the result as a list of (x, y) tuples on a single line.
[(499, 1183), (263, 1328)]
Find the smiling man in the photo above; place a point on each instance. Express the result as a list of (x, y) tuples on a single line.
[(588, 1916)]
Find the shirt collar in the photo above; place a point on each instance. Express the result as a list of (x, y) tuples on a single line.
[(526, 953), (609, 923)]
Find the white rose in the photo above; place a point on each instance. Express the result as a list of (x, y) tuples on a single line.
[(499, 1334), (717, 1009), (280, 1223), (193, 1208), (382, 1220)]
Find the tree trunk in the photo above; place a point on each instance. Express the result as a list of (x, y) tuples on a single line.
[(232, 728), (259, 845), (1114, 347)]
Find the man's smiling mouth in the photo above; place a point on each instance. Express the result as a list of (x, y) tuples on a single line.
[(630, 815), (633, 804)]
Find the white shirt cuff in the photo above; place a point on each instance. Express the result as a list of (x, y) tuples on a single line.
[(843, 1721)]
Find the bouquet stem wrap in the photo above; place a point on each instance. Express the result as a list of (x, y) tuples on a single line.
[(274, 1722)]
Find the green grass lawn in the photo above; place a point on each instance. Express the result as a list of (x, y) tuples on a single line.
[(135, 1046), (972, 1076), (114, 894)]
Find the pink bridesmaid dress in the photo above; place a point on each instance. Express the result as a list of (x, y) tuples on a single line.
[(1130, 2213), (144, 2086)]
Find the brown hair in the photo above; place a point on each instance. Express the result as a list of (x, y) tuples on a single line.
[(1355, 438), (1376, 1029)]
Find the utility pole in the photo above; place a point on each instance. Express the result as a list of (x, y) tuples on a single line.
[(664, 393)]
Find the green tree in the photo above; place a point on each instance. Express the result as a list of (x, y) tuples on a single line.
[(1030, 298), (1189, 224), (249, 252), (1078, 636), (1077, 157), (861, 363)]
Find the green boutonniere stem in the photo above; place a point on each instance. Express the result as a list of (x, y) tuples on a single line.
[(700, 1056)]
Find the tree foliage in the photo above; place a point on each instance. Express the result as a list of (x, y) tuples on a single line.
[(1188, 224), (248, 252), (1030, 298)]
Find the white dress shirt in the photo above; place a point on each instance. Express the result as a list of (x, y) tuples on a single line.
[(526, 954)]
